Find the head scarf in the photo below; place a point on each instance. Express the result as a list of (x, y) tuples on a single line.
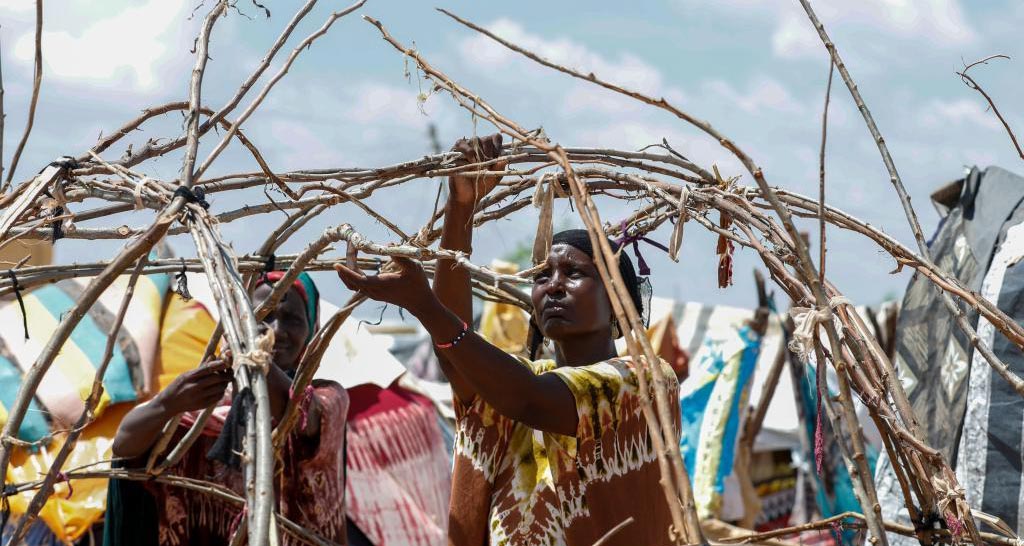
[(306, 288)]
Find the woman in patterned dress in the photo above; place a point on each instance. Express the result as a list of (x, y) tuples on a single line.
[(309, 479), (552, 451)]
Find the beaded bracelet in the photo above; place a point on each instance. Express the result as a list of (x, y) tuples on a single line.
[(458, 338)]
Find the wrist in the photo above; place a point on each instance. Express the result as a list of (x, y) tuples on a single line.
[(163, 407), (426, 308)]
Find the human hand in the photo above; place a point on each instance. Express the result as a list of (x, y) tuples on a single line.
[(468, 190), (406, 287), (199, 388)]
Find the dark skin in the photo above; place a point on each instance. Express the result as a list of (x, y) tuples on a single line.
[(571, 307), (204, 386)]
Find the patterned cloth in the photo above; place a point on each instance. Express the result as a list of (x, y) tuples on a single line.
[(310, 485), (711, 401), (399, 471), (968, 412), (833, 489), (59, 399), (514, 485)]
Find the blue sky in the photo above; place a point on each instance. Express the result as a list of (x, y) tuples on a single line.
[(754, 69)]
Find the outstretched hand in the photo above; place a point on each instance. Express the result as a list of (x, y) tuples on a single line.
[(468, 190), (407, 287)]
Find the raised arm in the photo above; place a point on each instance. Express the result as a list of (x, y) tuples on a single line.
[(451, 283), (542, 402)]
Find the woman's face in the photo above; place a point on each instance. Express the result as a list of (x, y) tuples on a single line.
[(290, 325), (569, 298)]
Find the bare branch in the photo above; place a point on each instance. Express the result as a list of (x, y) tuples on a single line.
[(969, 81), (37, 80)]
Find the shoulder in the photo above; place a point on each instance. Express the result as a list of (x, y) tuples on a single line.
[(330, 392), (619, 374)]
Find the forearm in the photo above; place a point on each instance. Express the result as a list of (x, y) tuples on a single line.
[(140, 429), (452, 284), (542, 402)]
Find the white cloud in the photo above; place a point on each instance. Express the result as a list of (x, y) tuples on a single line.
[(940, 22), (937, 114), (378, 103), (132, 41), (626, 70), (18, 6), (762, 94)]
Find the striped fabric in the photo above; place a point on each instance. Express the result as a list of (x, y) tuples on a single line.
[(712, 400), (59, 400)]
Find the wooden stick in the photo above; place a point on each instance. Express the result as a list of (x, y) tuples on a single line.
[(37, 80), (305, 44)]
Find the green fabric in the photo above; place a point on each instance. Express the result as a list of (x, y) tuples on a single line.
[(131, 518), (312, 303)]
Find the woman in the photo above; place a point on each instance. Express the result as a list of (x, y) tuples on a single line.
[(548, 451), (312, 468)]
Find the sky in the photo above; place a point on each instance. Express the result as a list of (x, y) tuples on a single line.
[(755, 69)]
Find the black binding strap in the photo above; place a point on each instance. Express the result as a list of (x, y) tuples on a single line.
[(21, 302), (269, 266), (57, 225), (197, 196), (182, 283)]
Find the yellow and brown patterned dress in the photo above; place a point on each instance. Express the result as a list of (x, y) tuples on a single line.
[(514, 485)]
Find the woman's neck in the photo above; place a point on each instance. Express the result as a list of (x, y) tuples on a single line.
[(584, 350)]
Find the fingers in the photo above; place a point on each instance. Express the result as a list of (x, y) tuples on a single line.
[(405, 264), (477, 149), (220, 379), (354, 280), (350, 257), (213, 366)]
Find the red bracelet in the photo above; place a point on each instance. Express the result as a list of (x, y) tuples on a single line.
[(458, 338)]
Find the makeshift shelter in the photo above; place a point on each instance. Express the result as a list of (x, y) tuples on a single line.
[(972, 415), (396, 452)]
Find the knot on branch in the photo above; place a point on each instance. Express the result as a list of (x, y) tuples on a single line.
[(806, 321), (259, 357), (62, 477), (951, 505)]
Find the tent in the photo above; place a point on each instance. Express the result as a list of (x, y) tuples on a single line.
[(952, 389)]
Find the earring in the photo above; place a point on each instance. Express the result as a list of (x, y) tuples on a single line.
[(616, 332)]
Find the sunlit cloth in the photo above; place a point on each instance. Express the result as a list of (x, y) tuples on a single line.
[(516, 485), (712, 400), (72, 510), (399, 472), (967, 411), (833, 488), (309, 486), (504, 325), (59, 400)]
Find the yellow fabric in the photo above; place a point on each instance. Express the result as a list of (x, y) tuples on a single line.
[(186, 328), (69, 518), (504, 325)]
